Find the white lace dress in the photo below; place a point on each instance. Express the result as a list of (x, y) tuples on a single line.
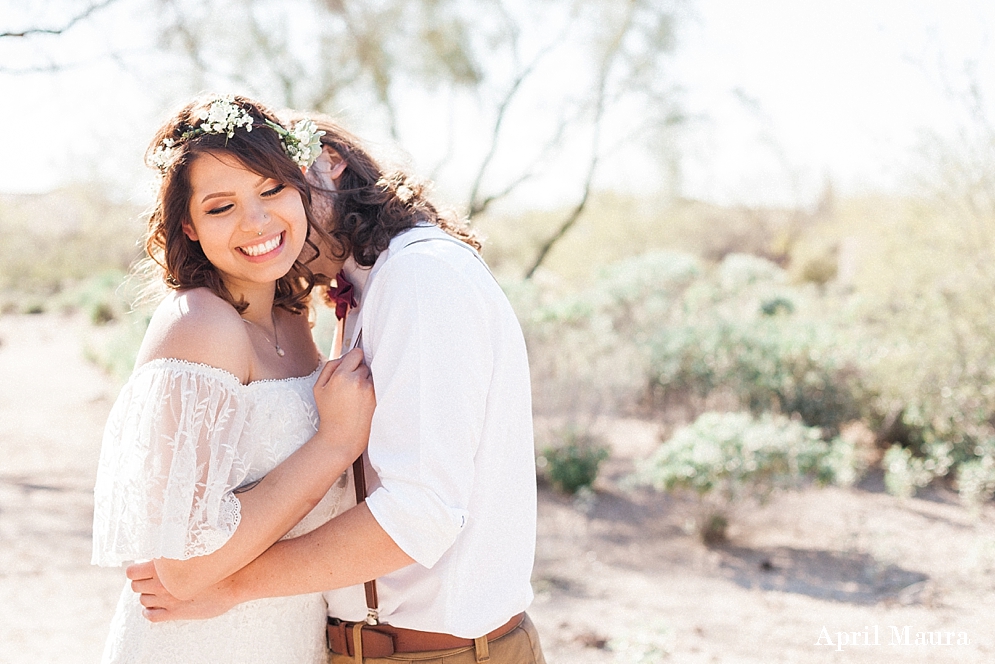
[(179, 439)]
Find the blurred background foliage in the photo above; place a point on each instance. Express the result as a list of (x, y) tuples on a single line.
[(853, 334)]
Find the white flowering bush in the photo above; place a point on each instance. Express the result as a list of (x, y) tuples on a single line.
[(735, 455), (905, 473), (725, 458), (976, 477)]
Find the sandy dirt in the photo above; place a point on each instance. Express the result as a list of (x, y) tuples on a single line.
[(619, 576)]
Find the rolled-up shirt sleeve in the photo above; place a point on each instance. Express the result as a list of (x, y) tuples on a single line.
[(426, 335)]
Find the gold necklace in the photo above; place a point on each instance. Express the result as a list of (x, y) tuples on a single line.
[(276, 343)]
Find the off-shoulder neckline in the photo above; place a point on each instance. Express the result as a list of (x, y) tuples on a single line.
[(219, 372)]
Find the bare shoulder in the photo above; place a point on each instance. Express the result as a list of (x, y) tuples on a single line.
[(198, 326)]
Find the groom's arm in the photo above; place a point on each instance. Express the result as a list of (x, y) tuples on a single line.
[(350, 549)]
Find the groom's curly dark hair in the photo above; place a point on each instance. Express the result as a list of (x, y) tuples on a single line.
[(371, 206)]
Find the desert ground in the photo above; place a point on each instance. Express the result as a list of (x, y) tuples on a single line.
[(619, 577)]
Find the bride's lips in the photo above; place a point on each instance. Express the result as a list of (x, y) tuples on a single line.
[(263, 249)]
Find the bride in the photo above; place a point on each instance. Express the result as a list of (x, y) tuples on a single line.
[(230, 434)]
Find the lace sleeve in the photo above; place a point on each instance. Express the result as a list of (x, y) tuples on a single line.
[(169, 461)]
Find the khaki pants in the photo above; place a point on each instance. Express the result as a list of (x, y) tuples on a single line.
[(519, 646)]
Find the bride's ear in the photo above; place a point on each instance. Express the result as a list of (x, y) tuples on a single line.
[(189, 230)]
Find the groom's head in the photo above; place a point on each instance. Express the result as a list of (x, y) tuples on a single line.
[(362, 206)]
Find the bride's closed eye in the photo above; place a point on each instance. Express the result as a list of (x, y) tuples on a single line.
[(220, 209)]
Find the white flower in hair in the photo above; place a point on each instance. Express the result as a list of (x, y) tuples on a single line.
[(302, 141), (163, 154), (222, 116)]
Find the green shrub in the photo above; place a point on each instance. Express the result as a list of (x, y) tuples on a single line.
[(976, 477), (735, 455), (903, 472), (939, 373), (766, 364), (573, 465), (662, 328)]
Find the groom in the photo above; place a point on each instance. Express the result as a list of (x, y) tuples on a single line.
[(448, 527)]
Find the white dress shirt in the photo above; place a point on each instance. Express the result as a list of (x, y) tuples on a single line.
[(451, 449)]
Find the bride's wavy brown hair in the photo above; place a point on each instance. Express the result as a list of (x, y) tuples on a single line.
[(179, 261), (372, 205)]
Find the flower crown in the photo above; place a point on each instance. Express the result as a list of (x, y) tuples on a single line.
[(302, 142)]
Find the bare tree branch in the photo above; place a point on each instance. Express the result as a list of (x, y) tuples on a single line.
[(189, 41), (371, 55), (288, 73), (450, 140), (578, 209), (502, 109), (528, 173), (58, 31), (599, 113), (52, 67)]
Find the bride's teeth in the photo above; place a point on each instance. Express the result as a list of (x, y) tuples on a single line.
[(264, 248)]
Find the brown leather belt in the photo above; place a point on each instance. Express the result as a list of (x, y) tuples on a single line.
[(384, 640)]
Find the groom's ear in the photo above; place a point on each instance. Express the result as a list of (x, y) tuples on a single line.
[(336, 164)]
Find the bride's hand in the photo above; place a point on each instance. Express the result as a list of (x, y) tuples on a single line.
[(345, 399), (160, 606)]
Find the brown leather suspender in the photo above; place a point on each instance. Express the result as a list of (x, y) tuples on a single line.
[(359, 480), (372, 603)]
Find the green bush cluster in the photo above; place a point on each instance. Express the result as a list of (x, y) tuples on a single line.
[(668, 334), (665, 332), (103, 298), (735, 455), (574, 464), (765, 365), (937, 377), (675, 332), (743, 332)]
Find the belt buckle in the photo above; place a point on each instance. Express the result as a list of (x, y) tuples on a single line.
[(375, 642), (335, 637)]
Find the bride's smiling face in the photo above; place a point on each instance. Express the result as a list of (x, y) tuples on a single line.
[(251, 227)]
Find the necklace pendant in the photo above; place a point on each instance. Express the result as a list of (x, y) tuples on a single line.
[(279, 351)]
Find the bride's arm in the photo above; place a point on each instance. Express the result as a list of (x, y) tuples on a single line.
[(270, 508), (288, 492)]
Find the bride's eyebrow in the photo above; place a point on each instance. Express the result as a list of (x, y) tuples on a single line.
[(219, 194)]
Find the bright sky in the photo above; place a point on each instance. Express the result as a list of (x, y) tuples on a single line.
[(788, 92), (801, 90)]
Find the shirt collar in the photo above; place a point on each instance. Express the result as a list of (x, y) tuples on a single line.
[(357, 276)]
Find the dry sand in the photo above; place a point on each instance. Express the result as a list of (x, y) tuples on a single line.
[(618, 578)]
